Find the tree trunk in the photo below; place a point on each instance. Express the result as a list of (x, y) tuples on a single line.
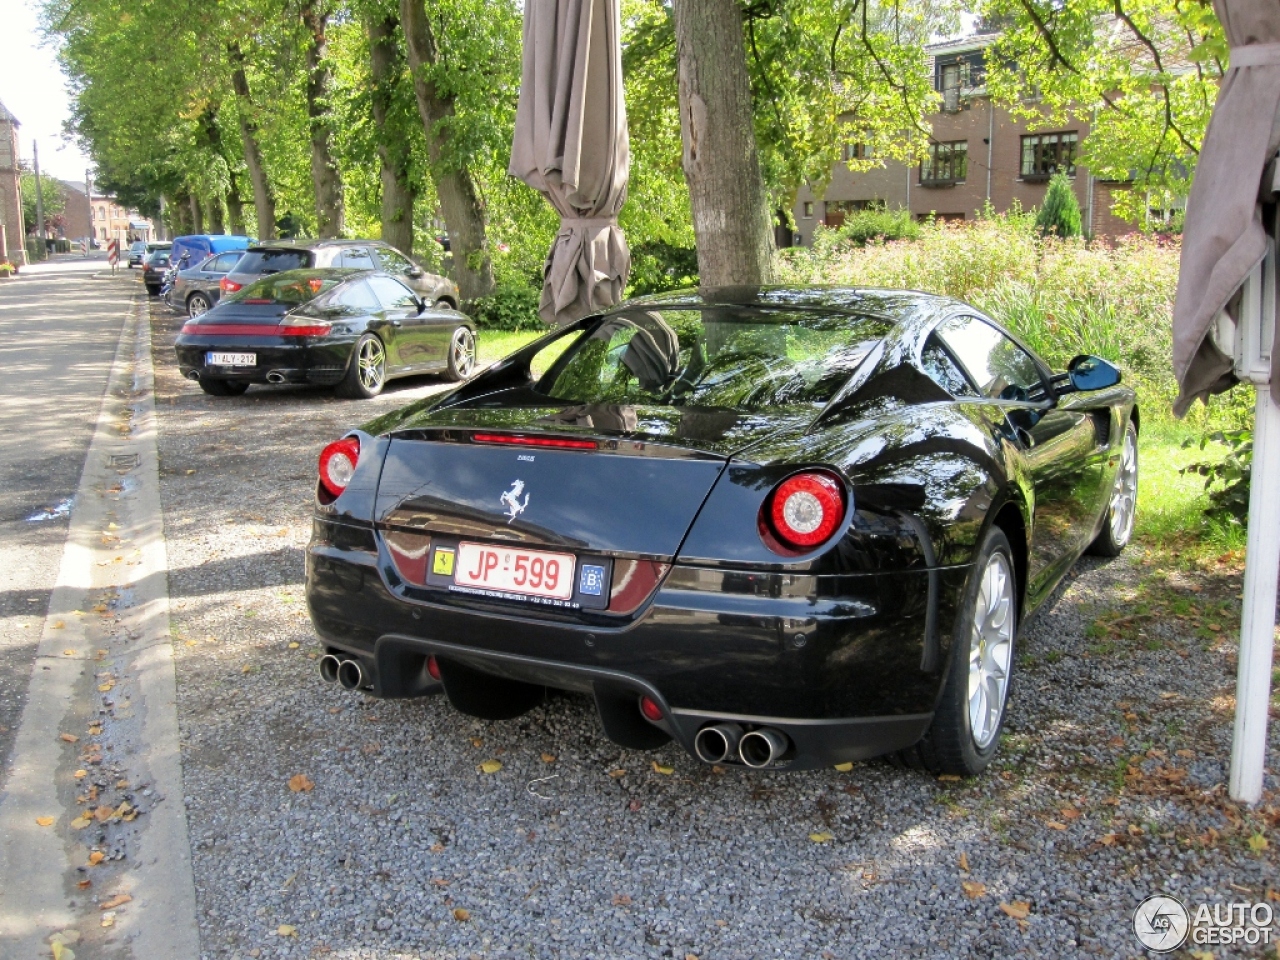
[(235, 209), (264, 199), (731, 218), (463, 218), (197, 221), (326, 178), (398, 194), (213, 206)]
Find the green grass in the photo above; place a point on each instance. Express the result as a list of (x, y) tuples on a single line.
[(493, 345)]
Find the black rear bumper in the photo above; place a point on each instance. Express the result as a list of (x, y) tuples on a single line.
[(846, 667), (322, 363)]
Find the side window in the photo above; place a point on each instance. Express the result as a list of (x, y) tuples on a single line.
[(392, 262), (356, 300), (1001, 368), (224, 262), (937, 362), (357, 257), (393, 294)]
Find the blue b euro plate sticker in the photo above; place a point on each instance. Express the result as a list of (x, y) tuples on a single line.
[(591, 580)]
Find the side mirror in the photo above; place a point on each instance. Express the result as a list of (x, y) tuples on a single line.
[(414, 272), (1091, 373)]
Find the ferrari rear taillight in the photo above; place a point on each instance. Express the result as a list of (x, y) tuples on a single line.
[(227, 285), (804, 510), (338, 464)]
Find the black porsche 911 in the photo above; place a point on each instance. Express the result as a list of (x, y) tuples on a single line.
[(348, 328), (785, 527)]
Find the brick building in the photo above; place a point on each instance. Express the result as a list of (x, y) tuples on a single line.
[(979, 153), (12, 230), (110, 220)]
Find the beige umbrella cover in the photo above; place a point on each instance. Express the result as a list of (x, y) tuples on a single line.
[(571, 145), (1223, 239)]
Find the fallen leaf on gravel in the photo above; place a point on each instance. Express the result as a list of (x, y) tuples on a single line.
[(1069, 813), (548, 758), (1055, 825), (96, 858), (64, 937), (717, 769), (103, 814), (59, 624), (62, 953), (68, 737), (294, 645), (68, 653), (79, 823), (635, 806), (94, 728), (621, 900), (1258, 843), (476, 742), (45, 821), (664, 770), (371, 748), (948, 778), (1019, 909), (844, 767), (106, 688), (118, 900), (964, 861), (1273, 895), (300, 783), (491, 766), (286, 930), (1202, 954), (122, 784), (973, 889), (1109, 839), (617, 773), (1168, 694), (1116, 742), (821, 837), (461, 914), (690, 956), (1185, 754)]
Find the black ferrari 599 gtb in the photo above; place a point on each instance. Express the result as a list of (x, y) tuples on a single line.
[(785, 527)]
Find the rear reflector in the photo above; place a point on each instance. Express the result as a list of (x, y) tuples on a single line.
[(649, 707), (433, 667), (338, 464), (563, 443)]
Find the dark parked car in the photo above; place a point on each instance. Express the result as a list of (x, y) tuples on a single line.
[(137, 250), (353, 329), (154, 265), (274, 257), (196, 289), (785, 527)]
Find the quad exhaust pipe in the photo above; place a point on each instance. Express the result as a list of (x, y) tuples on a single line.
[(193, 375), (275, 376), (763, 747), (348, 673), (721, 742), (718, 742)]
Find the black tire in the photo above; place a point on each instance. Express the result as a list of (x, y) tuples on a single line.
[(197, 304), (223, 388), (950, 745), (366, 371), (152, 291), (1118, 531), (462, 354)]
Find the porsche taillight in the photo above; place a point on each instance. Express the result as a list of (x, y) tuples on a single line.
[(803, 511), (338, 465)]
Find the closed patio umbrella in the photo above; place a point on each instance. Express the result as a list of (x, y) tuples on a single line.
[(571, 146), (1220, 337)]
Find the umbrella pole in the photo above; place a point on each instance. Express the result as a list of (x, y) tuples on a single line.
[(1258, 620)]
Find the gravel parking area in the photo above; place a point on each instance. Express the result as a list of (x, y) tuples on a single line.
[(327, 824)]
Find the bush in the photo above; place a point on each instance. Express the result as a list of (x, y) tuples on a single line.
[(512, 306), (658, 266), (1060, 215), (878, 225), (35, 250), (1229, 502)]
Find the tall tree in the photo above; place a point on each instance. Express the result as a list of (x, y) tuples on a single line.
[(264, 199), (325, 175), (398, 189), (721, 163), (455, 185)]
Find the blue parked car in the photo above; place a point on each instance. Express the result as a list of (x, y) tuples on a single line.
[(195, 248)]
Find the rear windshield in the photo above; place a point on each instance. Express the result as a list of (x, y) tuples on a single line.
[(273, 261), (736, 357), (295, 288)]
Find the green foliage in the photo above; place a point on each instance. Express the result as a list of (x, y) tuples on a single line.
[(512, 306), (1226, 480), (1062, 295), (52, 196), (1060, 215), (877, 225), (658, 266), (1143, 73)]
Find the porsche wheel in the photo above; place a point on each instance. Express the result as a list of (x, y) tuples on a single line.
[(462, 354), (1122, 508), (966, 727), (223, 388), (197, 304), (367, 371)]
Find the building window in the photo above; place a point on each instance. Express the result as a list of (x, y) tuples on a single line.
[(855, 151), (808, 209), (946, 163), (1044, 154)]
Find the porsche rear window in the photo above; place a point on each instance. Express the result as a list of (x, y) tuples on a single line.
[(735, 357), (295, 288), (273, 261)]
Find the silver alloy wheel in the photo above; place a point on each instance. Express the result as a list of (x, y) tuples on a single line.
[(197, 306), (371, 364), (463, 352), (991, 650), (1124, 496)]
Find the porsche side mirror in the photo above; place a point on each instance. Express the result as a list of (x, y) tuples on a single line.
[(1091, 373)]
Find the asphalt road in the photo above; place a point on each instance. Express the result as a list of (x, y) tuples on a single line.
[(58, 332)]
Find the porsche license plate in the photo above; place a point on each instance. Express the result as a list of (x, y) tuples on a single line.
[(512, 570), (231, 359)]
